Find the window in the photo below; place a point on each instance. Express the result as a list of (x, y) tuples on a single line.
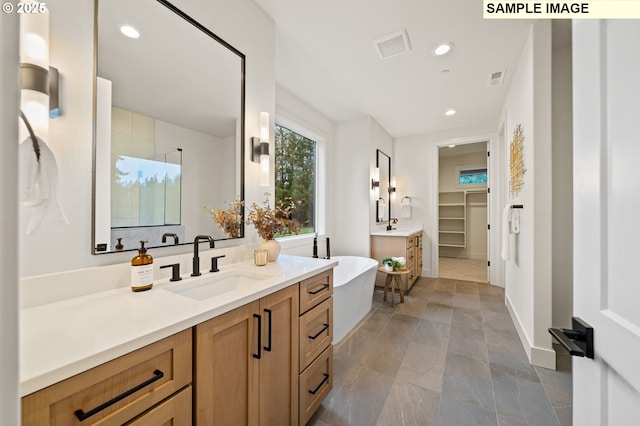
[(472, 176), (295, 174)]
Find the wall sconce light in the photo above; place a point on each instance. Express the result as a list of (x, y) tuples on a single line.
[(260, 149), (392, 187), (38, 81), (375, 182)]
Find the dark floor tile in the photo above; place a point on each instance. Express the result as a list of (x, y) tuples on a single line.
[(432, 333), (467, 287), (423, 366), (565, 415), (470, 318), (468, 379), (469, 342), (507, 350), (438, 312), (557, 385), (490, 290), (467, 301), (456, 413), (495, 322), (421, 291), (409, 405), (442, 297), (377, 320), (358, 401), (412, 306), (357, 345), (520, 396), (445, 285), (493, 304)]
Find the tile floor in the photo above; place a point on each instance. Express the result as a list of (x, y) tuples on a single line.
[(463, 269), (448, 356)]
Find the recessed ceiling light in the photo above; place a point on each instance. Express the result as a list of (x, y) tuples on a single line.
[(452, 146), (450, 112), (129, 31), (442, 49)]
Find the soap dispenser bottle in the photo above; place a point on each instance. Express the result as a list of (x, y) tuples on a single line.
[(142, 270)]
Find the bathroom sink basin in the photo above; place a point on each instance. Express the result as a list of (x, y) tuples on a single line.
[(215, 284)]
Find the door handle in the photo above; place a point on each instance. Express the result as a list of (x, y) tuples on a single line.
[(578, 341)]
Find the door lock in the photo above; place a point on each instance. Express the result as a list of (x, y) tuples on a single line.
[(578, 341)]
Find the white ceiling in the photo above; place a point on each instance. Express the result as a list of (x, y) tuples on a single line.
[(325, 56)]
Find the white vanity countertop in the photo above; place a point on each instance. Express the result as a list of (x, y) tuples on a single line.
[(61, 339), (402, 232)]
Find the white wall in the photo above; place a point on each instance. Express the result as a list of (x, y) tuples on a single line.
[(416, 166), (9, 402), (528, 272), (562, 163), (60, 247)]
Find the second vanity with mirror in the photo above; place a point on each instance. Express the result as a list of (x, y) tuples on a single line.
[(255, 350)]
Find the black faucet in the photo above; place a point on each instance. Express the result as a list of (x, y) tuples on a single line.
[(172, 235), (196, 257)]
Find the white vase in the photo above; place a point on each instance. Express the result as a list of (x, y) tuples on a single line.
[(388, 268), (273, 249)]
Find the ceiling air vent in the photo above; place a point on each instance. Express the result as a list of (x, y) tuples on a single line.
[(392, 44), (496, 77)]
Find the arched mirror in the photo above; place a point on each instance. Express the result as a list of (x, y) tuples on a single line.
[(169, 126)]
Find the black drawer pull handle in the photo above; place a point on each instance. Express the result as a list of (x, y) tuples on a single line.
[(326, 377), (259, 354), (315, 336), (268, 347), (324, 287), (81, 415)]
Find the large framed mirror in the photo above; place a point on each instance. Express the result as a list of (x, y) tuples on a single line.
[(383, 202), (169, 126)]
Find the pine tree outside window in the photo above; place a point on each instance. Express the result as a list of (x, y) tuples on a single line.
[(295, 174)]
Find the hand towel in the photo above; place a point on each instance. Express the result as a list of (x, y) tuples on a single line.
[(405, 210), (381, 209), (515, 221), (506, 219)]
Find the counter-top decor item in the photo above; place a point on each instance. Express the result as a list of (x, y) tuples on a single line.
[(229, 220), (272, 222)]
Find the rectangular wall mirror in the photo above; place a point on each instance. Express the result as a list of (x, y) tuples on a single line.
[(169, 126)]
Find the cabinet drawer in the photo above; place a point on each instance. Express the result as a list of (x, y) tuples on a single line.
[(316, 332), (315, 289), (315, 384), (116, 391), (175, 411)]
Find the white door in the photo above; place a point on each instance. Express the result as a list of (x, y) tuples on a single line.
[(606, 102)]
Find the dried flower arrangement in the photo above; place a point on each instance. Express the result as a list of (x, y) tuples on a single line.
[(229, 220), (274, 221)]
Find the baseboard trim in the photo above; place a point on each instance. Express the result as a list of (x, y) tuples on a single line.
[(537, 356)]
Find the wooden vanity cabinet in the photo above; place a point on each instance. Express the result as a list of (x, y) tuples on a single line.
[(316, 336), (141, 387), (409, 247), (246, 365)]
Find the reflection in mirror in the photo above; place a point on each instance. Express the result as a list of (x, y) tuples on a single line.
[(383, 203), (169, 126)]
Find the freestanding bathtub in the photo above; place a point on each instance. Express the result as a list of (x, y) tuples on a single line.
[(353, 281)]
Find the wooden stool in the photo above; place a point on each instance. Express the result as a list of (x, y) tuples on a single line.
[(394, 278)]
